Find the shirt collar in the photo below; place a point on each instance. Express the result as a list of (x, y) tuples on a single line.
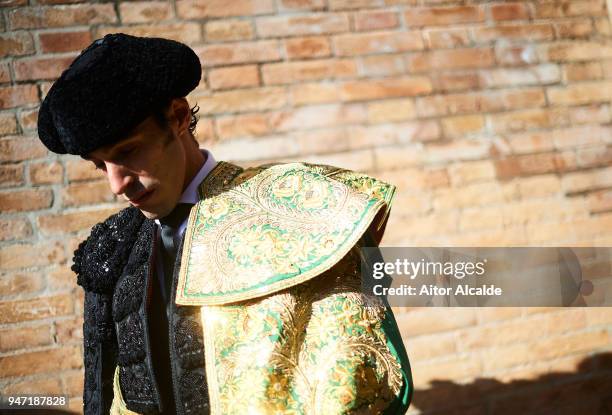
[(190, 194)]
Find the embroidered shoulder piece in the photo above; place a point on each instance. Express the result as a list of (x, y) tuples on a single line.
[(99, 260), (274, 227)]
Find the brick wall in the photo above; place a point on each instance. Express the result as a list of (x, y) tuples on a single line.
[(492, 118)]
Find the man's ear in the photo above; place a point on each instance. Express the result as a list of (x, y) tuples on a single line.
[(179, 115)]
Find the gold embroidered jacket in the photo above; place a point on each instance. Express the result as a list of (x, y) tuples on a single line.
[(271, 258)]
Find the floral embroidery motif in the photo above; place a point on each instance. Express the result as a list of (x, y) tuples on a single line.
[(316, 348), (273, 228)]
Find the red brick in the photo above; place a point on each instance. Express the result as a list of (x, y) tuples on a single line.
[(234, 77), (78, 194), (69, 331), (462, 126), (79, 169), (489, 101), (576, 51), (205, 132), (56, 42), (391, 110), (63, 223), (19, 283), (28, 119), (362, 4), (381, 65), (314, 93), (450, 59), (530, 164), (531, 142), (73, 386), (25, 200), (13, 3), (584, 181), (11, 175), (25, 337), (565, 8), (447, 38), (18, 95), (46, 361), (510, 11), (144, 11), (34, 386), (594, 156), (379, 42), (46, 172), (8, 124), (516, 55), (5, 75), (61, 16), (600, 201), (434, 16), (62, 278), (195, 9), (316, 116), (580, 93), (583, 71), (307, 47), (581, 136), (36, 309), (574, 29), (387, 88), (16, 44), (243, 52), (291, 5), (404, 132), (322, 141), (586, 114), (11, 229), (526, 32), (32, 69), (538, 118), (311, 24), (603, 25), (185, 32), (532, 75), (227, 30), (243, 100), (375, 20), (60, 1), (522, 98), (312, 70), (449, 82)]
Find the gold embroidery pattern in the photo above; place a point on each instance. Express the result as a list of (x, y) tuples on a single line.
[(316, 348), (274, 227)]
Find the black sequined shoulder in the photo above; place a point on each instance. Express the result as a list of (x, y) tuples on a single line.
[(99, 259)]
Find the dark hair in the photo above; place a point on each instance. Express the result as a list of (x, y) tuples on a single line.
[(159, 115)]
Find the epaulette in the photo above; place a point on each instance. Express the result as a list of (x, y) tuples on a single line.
[(99, 260)]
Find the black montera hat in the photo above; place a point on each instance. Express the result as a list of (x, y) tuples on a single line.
[(112, 86)]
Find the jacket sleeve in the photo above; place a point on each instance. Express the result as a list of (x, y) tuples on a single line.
[(100, 354), (98, 262)]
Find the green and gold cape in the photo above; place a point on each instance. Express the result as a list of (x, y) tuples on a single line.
[(271, 257)]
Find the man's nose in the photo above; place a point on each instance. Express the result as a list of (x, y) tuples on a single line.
[(119, 178)]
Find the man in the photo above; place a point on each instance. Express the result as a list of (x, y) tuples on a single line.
[(221, 290)]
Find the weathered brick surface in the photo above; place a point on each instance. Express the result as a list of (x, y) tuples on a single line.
[(492, 119), (64, 41)]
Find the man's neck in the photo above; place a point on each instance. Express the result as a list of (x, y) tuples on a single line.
[(195, 161)]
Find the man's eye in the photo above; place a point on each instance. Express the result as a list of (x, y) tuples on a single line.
[(100, 166)]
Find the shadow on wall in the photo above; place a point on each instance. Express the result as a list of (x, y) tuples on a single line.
[(587, 391)]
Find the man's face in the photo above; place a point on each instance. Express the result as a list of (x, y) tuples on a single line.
[(147, 168)]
